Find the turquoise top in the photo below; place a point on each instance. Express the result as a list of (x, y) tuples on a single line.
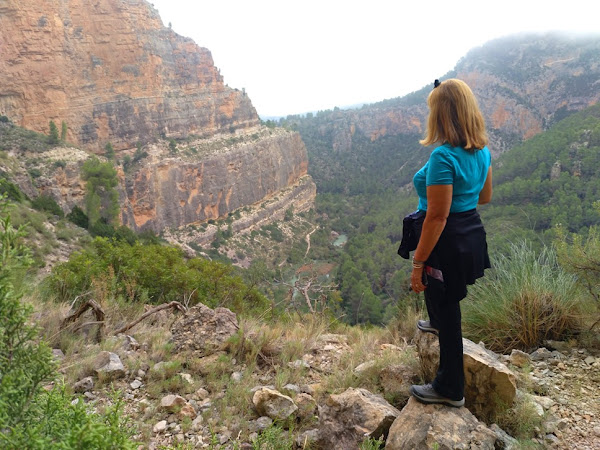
[(466, 171)]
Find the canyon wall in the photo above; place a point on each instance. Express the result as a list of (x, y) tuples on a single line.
[(112, 72)]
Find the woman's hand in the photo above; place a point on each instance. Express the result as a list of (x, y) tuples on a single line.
[(416, 280)]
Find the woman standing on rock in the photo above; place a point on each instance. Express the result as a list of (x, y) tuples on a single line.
[(452, 247)]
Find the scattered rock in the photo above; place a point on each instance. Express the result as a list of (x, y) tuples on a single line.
[(269, 402), (519, 358), (186, 377), (345, 419), (57, 354), (135, 384), (204, 330), (260, 424), (422, 426), (590, 360), (83, 385), (172, 403), (308, 439), (504, 441), (307, 406), (160, 426), (541, 354), (236, 377), (187, 410), (109, 365), (364, 367)]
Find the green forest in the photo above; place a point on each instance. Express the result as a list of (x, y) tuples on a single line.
[(543, 185)]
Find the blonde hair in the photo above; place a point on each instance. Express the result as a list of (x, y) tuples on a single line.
[(454, 117)]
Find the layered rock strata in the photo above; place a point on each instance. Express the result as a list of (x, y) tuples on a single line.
[(112, 72), (237, 171)]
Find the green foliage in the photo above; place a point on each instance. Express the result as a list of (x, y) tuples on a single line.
[(109, 151), (11, 190), (48, 204), (172, 146), (274, 438), (101, 199), (78, 217), (524, 301), (63, 131), (154, 272), (4, 119), (580, 256), (53, 136), (31, 417), (371, 444)]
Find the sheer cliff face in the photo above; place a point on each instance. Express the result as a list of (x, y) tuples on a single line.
[(112, 72), (175, 191)]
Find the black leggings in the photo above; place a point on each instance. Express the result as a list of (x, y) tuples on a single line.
[(445, 316)]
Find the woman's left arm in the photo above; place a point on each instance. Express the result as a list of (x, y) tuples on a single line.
[(439, 200)]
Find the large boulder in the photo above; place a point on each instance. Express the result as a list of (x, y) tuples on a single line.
[(488, 381), (347, 419), (273, 404), (436, 426), (108, 365), (204, 331)]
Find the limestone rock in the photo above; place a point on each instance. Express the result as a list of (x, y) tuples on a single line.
[(204, 331), (425, 426), (160, 426), (307, 406), (83, 385), (307, 439), (345, 419), (109, 365), (113, 72), (274, 404), (172, 403), (487, 380), (519, 358), (397, 379)]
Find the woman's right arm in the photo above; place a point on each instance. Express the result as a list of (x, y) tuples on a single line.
[(485, 196)]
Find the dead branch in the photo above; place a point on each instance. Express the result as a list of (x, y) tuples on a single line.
[(173, 304), (98, 312)]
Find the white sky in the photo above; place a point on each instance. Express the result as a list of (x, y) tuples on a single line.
[(297, 56)]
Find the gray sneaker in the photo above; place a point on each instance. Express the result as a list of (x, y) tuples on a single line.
[(425, 325), (426, 394)]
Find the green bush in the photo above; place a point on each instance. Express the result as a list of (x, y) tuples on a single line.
[(158, 272), (48, 204), (11, 190), (78, 217), (526, 299), (30, 417)]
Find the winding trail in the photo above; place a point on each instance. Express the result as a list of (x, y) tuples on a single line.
[(308, 241)]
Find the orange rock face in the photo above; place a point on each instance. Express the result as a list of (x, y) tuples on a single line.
[(112, 72)]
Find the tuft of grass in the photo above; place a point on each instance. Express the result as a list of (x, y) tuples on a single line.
[(520, 420), (525, 300)]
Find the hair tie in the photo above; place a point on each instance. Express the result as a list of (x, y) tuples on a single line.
[(436, 83)]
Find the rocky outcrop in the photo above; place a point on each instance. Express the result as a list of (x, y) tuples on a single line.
[(435, 426), (203, 330), (347, 419), (489, 384), (112, 72), (224, 174)]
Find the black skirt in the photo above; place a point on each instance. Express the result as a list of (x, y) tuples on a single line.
[(461, 253)]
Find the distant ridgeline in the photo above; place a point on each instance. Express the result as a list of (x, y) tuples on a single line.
[(524, 84)]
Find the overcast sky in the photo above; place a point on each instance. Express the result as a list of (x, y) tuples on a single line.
[(298, 56)]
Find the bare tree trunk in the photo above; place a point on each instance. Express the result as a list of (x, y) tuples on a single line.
[(98, 312)]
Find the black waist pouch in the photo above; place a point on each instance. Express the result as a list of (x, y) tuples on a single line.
[(411, 231)]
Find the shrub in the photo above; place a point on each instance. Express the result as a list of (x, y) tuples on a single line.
[(53, 137), (30, 416), (48, 204), (78, 217), (160, 272), (11, 190), (527, 299)]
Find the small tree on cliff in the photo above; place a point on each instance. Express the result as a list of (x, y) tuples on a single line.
[(101, 198), (63, 131), (53, 138), (109, 151)]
